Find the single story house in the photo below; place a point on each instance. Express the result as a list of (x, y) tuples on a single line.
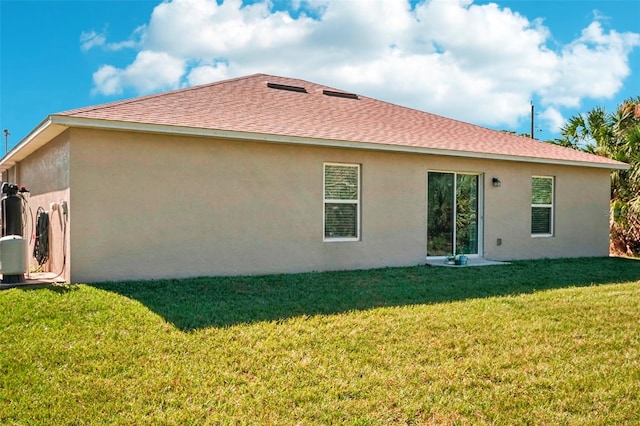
[(265, 174)]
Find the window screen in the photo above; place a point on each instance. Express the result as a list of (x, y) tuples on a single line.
[(542, 205), (341, 202)]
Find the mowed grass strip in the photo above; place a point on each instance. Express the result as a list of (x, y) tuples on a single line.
[(536, 342)]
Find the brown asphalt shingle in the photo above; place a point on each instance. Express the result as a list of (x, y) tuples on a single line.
[(247, 104)]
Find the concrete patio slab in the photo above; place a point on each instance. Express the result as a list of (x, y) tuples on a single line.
[(35, 280), (472, 261)]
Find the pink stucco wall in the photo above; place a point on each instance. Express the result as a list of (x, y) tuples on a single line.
[(150, 206)]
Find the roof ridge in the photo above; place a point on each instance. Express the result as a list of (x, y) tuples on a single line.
[(154, 95)]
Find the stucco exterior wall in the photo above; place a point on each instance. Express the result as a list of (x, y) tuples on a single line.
[(581, 213), (151, 206), (46, 174)]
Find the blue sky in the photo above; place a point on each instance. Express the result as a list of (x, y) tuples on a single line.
[(476, 61)]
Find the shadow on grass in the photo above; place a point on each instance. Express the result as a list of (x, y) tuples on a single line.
[(196, 303)]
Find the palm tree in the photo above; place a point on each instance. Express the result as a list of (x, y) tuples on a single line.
[(625, 201), (617, 136), (590, 132)]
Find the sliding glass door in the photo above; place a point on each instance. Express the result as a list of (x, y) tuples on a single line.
[(452, 213)]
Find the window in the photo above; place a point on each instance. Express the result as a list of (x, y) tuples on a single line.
[(542, 206), (341, 202)]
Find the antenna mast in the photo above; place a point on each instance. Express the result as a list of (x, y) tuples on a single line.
[(532, 136), (6, 141)]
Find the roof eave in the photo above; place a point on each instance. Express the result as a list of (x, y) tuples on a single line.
[(48, 129), (56, 124)]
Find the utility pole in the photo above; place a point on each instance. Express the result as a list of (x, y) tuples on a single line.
[(532, 120), (6, 141)]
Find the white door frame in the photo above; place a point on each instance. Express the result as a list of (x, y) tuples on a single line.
[(480, 176)]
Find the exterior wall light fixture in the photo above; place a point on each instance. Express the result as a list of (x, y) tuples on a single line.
[(496, 182)]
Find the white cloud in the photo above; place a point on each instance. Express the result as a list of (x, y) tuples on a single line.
[(107, 81), (204, 29), (91, 39), (207, 74), (151, 71), (553, 119), (478, 63), (127, 44), (592, 66)]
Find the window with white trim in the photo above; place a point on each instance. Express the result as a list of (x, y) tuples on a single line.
[(542, 193), (341, 202)]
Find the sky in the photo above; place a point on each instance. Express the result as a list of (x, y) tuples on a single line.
[(477, 61)]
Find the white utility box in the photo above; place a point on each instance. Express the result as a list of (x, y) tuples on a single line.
[(13, 255)]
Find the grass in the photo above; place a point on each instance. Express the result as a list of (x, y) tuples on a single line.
[(535, 342)]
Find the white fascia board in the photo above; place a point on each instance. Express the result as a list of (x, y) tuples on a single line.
[(35, 140), (80, 122)]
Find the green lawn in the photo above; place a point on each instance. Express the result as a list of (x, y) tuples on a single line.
[(535, 342)]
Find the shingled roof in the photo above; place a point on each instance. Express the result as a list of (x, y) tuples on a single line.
[(270, 108)]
